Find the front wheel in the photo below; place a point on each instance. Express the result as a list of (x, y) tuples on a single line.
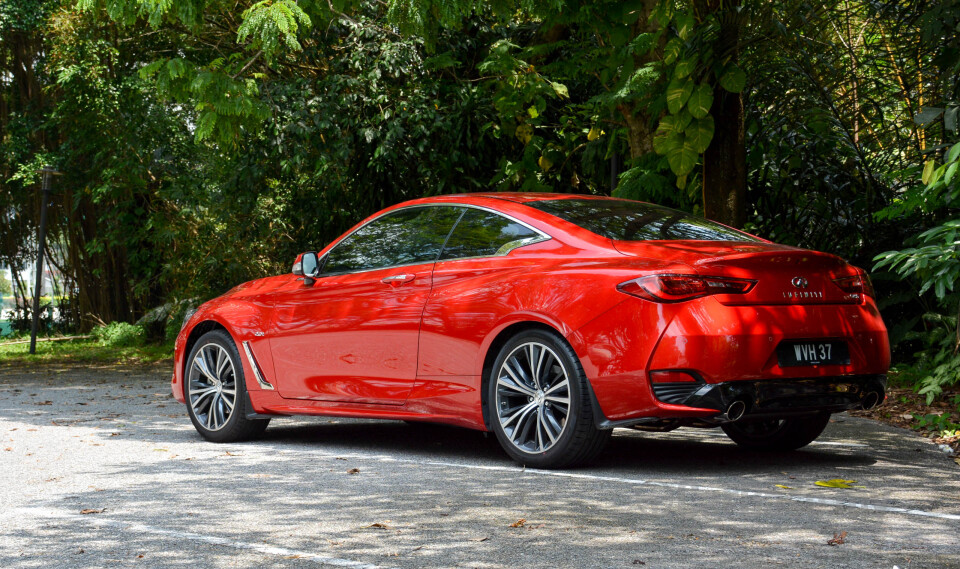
[(216, 391), (540, 404), (777, 434)]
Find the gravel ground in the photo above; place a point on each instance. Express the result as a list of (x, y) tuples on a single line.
[(112, 442)]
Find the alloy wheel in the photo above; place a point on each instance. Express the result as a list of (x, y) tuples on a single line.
[(213, 386), (533, 397)]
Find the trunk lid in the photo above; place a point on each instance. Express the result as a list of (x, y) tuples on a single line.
[(784, 274)]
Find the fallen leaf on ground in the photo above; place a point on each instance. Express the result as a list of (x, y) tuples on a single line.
[(161, 450), (93, 511), (835, 483), (353, 471), (44, 403), (519, 523), (838, 538), (479, 539), (377, 525), (784, 487)]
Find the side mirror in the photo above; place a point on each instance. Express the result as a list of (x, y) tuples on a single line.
[(307, 265)]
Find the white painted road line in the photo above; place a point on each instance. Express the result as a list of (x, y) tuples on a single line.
[(100, 520), (639, 482)]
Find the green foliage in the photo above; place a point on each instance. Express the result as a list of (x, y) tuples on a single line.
[(119, 335), (6, 289), (935, 263), (697, 60), (938, 422), (270, 22), (82, 351)]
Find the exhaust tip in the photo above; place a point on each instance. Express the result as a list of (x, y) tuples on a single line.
[(736, 410), (870, 400)]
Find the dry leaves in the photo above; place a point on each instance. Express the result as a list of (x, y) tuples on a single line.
[(92, 511), (353, 471), (836, 483), (784, 487), (519, 523), (377, 525), (479, 539), (838, 538)]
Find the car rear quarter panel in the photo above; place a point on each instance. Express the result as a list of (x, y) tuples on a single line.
[(475, 300)]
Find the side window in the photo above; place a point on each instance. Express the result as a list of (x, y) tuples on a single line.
[(403, 237), (483, 234)]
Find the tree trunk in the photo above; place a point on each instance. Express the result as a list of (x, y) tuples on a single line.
[(638, 119), (725, 161), (639, 133)]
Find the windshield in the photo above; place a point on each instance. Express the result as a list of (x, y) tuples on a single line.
[(625, 220)]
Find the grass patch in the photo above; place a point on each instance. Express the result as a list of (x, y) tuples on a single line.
[(83, 351)]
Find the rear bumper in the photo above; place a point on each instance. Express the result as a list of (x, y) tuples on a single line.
[(778, 397), (721, 344)]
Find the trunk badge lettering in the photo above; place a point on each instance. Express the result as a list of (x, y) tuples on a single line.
[(804, 294)]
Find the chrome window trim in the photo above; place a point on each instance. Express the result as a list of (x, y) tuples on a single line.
[(529, 241)]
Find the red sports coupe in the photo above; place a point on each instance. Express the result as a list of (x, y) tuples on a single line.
[(549, 319)]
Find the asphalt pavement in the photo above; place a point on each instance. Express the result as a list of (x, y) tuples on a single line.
[(100, 467)]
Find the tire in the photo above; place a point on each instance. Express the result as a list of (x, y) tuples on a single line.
[(545, 419), (777, 434), (216, 396)]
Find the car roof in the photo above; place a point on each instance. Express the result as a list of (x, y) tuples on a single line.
[(524, 197)]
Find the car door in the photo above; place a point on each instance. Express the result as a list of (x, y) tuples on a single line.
[(471, 291), (352, 335)]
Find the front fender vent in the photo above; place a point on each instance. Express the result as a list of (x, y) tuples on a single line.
[(264, 384)]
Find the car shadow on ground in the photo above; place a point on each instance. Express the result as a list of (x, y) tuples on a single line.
[(679, 452)]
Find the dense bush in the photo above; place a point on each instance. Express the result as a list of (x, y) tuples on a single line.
[(119, 335)]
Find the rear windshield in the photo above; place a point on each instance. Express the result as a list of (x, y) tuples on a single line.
[(624, 220)]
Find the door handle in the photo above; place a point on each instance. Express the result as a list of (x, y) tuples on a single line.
[(397, 280)]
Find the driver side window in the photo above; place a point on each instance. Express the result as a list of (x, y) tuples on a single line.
[(404, 237)]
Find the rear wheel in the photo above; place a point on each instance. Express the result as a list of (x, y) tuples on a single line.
[(777, 434), (216, 391), (540, 404)]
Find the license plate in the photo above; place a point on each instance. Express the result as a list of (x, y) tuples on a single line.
[(812, 353)]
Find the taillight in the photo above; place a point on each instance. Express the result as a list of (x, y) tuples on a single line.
[(856, 285), (677, 288)]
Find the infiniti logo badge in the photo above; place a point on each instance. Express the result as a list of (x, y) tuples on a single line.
[(799, 282)]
